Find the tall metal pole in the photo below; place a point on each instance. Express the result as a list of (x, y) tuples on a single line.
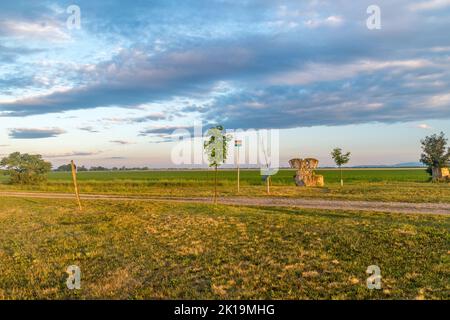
[(238, 171)]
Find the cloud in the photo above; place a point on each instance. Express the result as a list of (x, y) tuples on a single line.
[(430, 5), (131, 120), (49, 30), (440, 100), (28, 133), (89, 129), (313, 73), (10, 54), (73, 154), (244, 72), (121, 142), (165, 130), (331, 21), (424, 126)]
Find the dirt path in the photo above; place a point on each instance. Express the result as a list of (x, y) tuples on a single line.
[(394, 207)]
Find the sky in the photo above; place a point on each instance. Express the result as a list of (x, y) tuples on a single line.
[(113, 91)]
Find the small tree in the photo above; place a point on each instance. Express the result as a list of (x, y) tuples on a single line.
[(26, 168), (216, 149), (340, 159), (435, 154)]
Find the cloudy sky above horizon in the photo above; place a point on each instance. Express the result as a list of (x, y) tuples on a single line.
[(112, 92)]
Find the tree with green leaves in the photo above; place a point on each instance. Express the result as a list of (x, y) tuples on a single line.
[(26, 168), (340, 159), (435, 154), (216, 149)]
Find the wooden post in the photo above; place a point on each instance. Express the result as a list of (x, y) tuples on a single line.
[(74, 177), (268, 184)]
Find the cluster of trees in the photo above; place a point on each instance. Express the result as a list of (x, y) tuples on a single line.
[(67, 168)]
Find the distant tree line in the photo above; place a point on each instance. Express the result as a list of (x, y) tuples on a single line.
[(68, 168)]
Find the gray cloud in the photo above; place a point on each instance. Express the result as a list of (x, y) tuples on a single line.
[(131, 120), (121, 142), (28, 133), (89, 129), (73, 154), (165, 130), (11, 54)]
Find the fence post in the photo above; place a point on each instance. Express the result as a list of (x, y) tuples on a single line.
[(74, 177)]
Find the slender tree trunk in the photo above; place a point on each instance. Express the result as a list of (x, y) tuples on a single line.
[(342, 180), (215, 184)]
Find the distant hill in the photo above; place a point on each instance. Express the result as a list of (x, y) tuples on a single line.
[(398, 165), (409, 165)]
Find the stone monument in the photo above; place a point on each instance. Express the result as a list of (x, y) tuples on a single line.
[(305, 176)]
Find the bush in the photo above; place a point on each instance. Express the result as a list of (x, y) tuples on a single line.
[(26, 168)]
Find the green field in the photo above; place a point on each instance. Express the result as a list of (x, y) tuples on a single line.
[(248, 177), (410, 185), (163, 250), (137, 250)]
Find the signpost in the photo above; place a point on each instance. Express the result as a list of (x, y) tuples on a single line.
[(74, 177), (238, 144)]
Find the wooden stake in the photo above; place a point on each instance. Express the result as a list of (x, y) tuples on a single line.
[(74, 177)]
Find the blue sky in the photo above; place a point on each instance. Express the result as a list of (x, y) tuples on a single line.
[(112, 92)]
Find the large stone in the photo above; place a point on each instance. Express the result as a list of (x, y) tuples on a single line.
[(305, 176)]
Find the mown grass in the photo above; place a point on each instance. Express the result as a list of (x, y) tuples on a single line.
[(139, 250), (376, 185)]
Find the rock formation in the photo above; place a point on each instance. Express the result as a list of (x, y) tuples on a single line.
[(305, 176)]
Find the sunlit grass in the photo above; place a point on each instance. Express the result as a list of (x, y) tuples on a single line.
[(141, 250)]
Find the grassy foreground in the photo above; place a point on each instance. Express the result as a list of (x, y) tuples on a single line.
[(409, 185), (138, 250)]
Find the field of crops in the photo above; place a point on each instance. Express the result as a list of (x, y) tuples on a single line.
[(250, 177), (410, 185)]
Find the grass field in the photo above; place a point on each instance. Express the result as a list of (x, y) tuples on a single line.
[(140, 250), (410, 185)]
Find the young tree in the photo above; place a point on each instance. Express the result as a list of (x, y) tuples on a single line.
[(340, 159), (216, 149), (26, 168), (435, 154)]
